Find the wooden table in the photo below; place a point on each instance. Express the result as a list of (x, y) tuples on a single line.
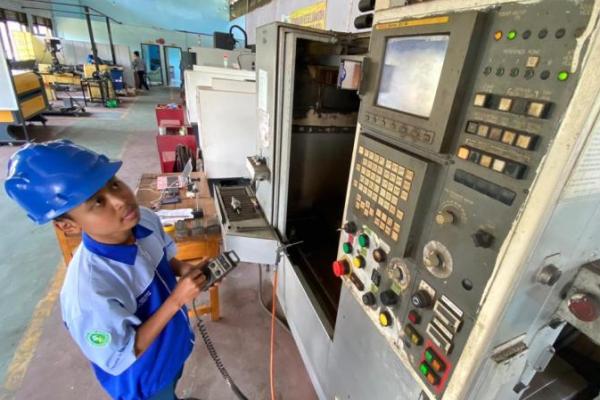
[(207, 244)]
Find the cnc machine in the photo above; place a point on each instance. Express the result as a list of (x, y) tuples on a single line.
[(455, 195)]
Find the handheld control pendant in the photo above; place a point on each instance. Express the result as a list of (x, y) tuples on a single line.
[(220, 266)]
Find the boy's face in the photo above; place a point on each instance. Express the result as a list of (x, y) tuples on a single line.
[(107, 216)]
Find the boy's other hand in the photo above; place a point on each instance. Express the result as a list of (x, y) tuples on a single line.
[(188, 287), (186, 267)]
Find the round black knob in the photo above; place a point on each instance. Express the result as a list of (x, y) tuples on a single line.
[(421, 299), (482, 239), (349, 227), (379, 255), (388, 297), (369, 299)]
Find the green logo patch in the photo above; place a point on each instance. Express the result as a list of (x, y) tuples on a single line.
[(98, 338)]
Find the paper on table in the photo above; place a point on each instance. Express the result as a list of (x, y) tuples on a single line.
[(172, 216), (176, 213)]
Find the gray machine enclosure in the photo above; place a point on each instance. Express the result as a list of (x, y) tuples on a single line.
[(511, 316)]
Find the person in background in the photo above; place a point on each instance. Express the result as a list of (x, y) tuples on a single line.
[(139, 66)]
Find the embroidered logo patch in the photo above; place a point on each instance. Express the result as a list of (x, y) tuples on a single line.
[(98, 338)]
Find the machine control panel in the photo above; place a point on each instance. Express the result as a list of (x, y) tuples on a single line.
[(457, 115)]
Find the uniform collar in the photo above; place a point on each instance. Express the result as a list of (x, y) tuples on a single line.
[(125, 253)]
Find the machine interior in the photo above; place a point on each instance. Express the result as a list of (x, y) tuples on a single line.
[(323, 133)]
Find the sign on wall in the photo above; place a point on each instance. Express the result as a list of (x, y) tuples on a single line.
[(312, 16)]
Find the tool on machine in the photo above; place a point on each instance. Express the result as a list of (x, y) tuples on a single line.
[(236, 205)]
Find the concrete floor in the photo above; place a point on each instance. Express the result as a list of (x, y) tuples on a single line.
[(38, 360)]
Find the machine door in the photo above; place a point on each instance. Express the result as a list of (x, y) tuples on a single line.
[(316, 129)]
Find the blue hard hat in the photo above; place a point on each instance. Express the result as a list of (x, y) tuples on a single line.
[(49, 179)]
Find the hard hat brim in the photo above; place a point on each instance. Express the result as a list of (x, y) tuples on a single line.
[(93, 183)]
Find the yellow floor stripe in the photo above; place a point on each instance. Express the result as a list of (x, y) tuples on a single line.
[(28, 344)]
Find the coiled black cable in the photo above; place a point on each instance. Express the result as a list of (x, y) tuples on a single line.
[(213, 354)]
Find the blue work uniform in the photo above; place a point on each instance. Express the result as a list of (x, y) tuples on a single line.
[(108, 292)]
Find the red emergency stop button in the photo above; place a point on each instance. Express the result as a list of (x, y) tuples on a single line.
[(584, 306), (341, 268)]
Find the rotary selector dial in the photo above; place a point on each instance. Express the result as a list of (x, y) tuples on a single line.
[(399, 273), (437, 259)]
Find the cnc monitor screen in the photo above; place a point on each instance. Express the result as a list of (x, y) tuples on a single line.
[(411, 73)]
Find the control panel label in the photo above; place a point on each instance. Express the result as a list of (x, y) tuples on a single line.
[(413, 22)]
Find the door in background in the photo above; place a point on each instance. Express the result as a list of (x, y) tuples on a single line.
[(173, 65), (151, 56)]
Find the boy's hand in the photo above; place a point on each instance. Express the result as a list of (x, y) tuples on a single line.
[(187, 267), (188, 287)]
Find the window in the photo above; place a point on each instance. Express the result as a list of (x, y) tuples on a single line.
[(10, 22), (42, 26)]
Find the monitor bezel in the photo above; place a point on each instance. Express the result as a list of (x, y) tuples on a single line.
[(461, 29)]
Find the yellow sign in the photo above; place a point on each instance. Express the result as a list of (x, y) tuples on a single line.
[(412, 22), (312, 16)]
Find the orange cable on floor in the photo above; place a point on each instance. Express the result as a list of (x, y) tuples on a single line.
[(272, 355)]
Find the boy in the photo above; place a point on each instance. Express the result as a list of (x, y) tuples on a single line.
[(120, 300)]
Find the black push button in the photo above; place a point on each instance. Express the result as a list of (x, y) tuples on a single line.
[(376, 278), (388, 297)]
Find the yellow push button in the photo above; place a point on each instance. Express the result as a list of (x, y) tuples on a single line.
[(358, 262), (385, 319)]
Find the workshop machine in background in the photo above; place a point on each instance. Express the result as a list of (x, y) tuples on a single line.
[(466, 197), (22, 99)]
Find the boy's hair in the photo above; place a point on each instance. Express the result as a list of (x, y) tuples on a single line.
[(136, 53)]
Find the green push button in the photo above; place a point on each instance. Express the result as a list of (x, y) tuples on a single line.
[(428, 356), (347, 247), (563, 76), (424, 369), (363, 240), (512, 35)]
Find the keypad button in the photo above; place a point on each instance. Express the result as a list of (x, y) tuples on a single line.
[(474, 156), (481, 100), (483, 130), (508, 137), (463, 153), (519, 106), (525, 141), (505, 104), (485, 161), (495, 133), (515, 170), (537, 109), (499, 165)]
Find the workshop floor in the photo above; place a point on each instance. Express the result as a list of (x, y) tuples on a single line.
[(38, 360)]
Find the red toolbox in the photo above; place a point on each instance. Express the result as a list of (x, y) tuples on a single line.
[(166, 149), (170, 114)]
